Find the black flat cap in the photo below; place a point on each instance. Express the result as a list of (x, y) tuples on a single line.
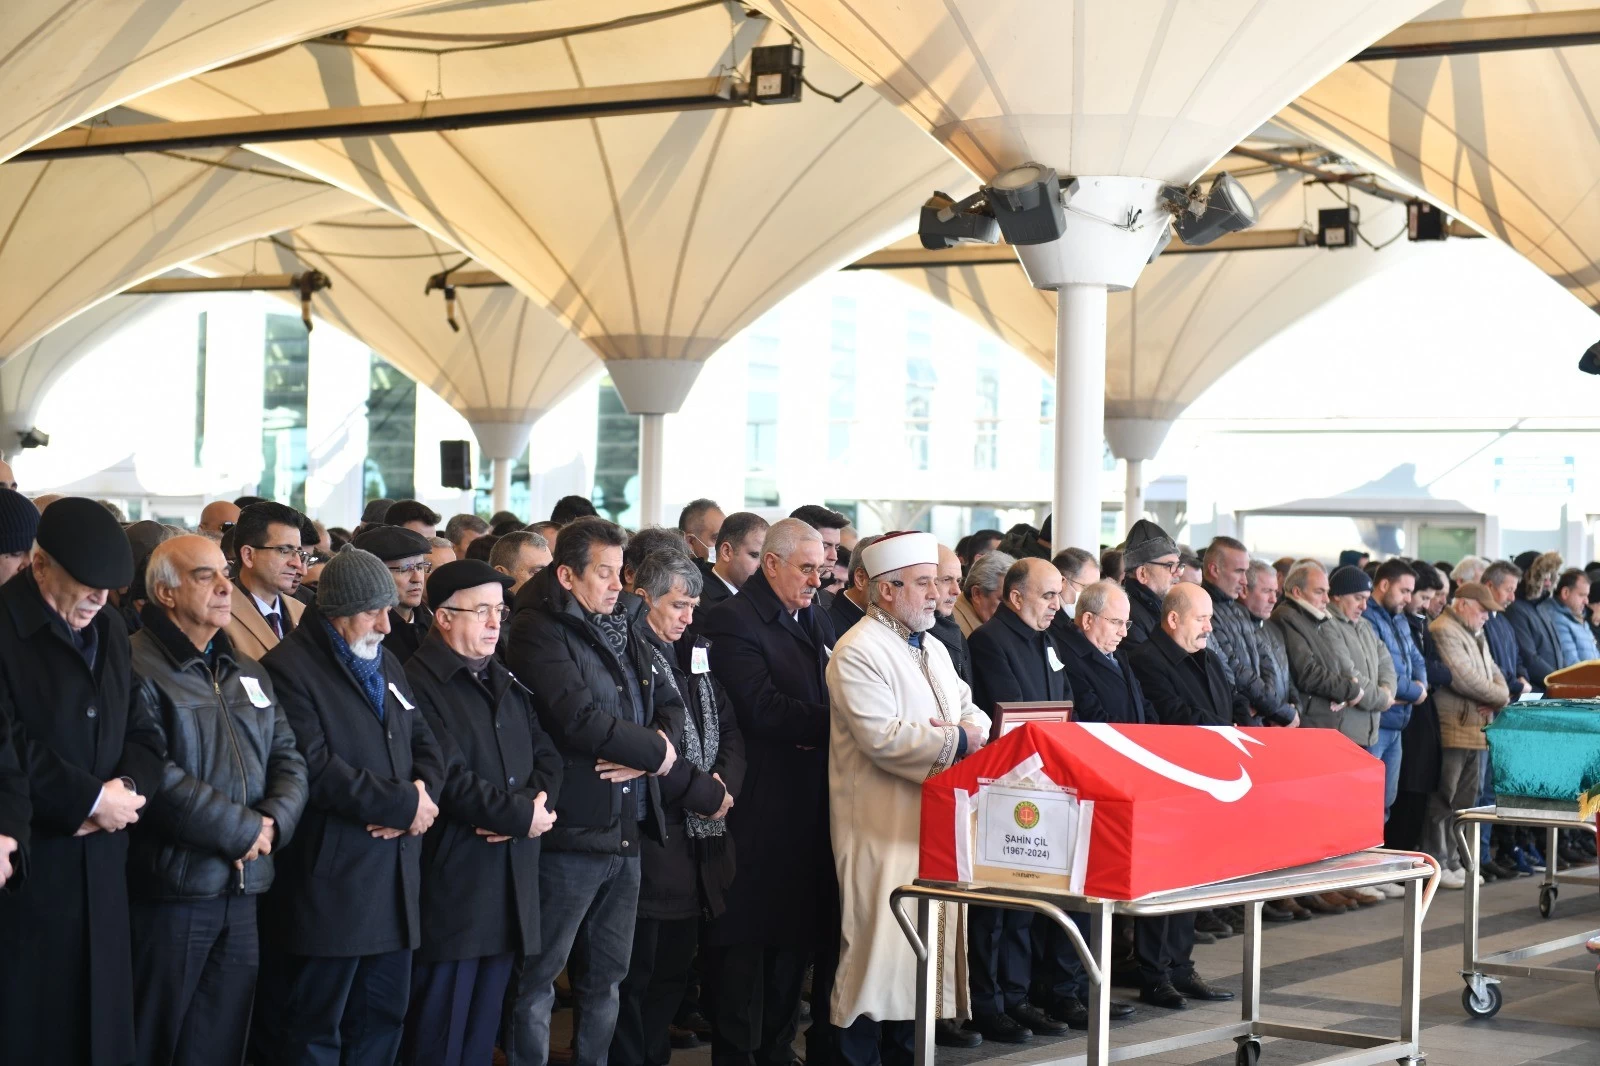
[(451, 578), (393, 542), (87, 540)]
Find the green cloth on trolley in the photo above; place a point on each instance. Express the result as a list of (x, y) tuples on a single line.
[(1547, 750)]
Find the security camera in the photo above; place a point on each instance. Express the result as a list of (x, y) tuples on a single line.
[(946, 222), (1590, 361), (1228, 208)]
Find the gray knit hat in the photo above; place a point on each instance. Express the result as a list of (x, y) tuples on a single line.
[(1146, 543), (352, 582)]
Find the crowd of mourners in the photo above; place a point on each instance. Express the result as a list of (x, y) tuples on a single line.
[(278, 793)]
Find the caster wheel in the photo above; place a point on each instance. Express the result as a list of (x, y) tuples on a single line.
[(1487, 1007), (1248, 1053), (1547, 900)]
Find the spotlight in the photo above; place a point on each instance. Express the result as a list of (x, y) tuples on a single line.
[(1227, 208), (312, 281), (34, 438), (1589, 363), (946, 222), (1026, 201), (441, 281), (1336, 227), (1424, 221)]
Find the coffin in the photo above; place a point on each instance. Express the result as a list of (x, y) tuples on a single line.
[(1124, 811), (1544, 757), (1578, 681)]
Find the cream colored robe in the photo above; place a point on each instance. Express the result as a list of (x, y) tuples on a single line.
[(881, 747)]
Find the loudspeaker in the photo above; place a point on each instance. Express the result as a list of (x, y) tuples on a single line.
[(455, 464)]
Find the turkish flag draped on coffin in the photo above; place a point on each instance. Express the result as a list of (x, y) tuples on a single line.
[(1124, 811)]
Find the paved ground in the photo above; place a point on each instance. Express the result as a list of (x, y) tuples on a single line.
[(1344, 972)]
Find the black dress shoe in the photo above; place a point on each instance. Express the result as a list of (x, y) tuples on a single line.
[(1030, 1017), (1001, 1029), (1206, 922), (1164, 995), (1271, 912), (682, 1039), (1070, 1011), (1203, 937), (1195, 987), (948, 1033)]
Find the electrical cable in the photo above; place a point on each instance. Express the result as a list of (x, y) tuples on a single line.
[(841, 98), (481, 42), (305, 179)]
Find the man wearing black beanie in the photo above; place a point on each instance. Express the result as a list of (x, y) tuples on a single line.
[(19, 522), (66, 986)]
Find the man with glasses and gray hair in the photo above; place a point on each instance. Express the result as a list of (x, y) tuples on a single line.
[(272, 563), (405, 553)]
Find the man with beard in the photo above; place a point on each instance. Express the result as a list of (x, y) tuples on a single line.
[(900, 715), (1151, 563)]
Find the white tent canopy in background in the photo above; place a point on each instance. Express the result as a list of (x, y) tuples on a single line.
[(76, 231), (655, 238), (1190, 318), (1125, 97), (510, 362), (1509, 141), (62, 61)]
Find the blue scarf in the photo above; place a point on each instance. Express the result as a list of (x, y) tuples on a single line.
[(367, 672)]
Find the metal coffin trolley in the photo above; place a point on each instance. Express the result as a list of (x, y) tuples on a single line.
[(1363, 868), (1482, 997)]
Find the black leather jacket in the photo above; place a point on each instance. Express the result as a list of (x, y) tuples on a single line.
[(229, 760)]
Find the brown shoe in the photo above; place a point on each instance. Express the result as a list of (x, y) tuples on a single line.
[(1335, 902), (1292, 906), (1358, 901)]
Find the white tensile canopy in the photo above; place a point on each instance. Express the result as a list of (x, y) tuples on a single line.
[(1505, 140), (654, 237), (510, 361), (1192, 316), (1125, 97), (75, 231), (62, 61)]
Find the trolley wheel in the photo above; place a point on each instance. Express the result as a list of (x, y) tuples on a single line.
[(1248, 1053), (1487, 1007), (1547, 899)]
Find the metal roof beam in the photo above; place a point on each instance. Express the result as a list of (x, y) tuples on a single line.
[(377, 120), (1498, 33)]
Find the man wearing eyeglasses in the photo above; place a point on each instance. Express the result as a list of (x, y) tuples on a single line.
[(405, 553), (272, 562), (1152, 563)]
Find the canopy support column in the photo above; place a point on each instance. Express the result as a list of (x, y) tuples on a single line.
[(1133, 495), (652, 467), (500, 494), (1080, 415)]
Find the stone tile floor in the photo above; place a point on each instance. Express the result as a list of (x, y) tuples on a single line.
[(1344, 972)]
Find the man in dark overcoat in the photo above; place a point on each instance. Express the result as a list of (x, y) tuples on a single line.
[(91, 757), (769, 649), (342, 919), (480, 861)]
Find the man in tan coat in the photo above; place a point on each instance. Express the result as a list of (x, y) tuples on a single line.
[(1476, 691), (272, 563), (900, 714)]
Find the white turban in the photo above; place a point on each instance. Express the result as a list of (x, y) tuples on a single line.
[(892, 551)]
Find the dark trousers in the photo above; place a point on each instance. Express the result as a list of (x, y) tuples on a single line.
[(455, 1011), (755, 1009), (194, 979), (865, 1042), (1163, 947), (587, 905), (316, 1011), (1058, 972), (999, 956), (658, 973)]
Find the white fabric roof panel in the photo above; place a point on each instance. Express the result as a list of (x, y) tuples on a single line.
[(73, 232), (1101, 87), (1191, 317), (651, 236), (62, 61), (1508, 141), (510, 362)]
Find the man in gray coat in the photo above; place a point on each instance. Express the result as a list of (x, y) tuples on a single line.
[(1226, 567)]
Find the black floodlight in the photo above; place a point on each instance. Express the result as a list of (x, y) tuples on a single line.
[(946, 222), (1424, 221), (1026, 201), (1589, 363), (776, 73), (1336, 227), (34, 438), (1228, 209)]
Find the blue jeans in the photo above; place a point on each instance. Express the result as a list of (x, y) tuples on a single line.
[(587, 906), (1387, 748)]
